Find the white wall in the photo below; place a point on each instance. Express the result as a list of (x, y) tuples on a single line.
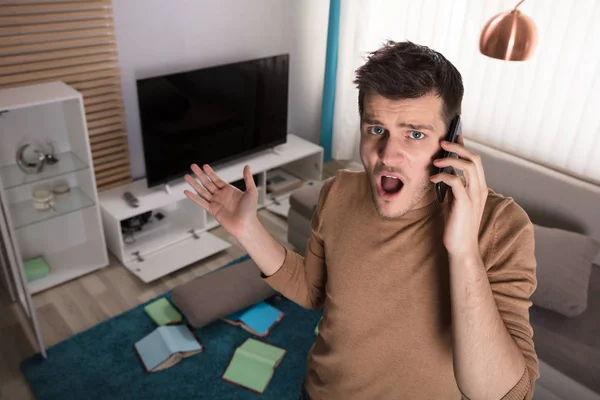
[(162, 36)]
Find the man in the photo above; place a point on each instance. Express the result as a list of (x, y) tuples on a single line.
[(421, 300)]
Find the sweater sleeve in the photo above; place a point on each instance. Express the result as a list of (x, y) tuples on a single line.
[(302, 279), (511, 269)]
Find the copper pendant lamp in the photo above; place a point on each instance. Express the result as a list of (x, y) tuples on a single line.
[(510, 36)]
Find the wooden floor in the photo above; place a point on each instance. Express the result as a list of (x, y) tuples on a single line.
[(84, 302)]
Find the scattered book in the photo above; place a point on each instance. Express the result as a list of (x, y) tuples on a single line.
[(36, 268), (166, 346), (253, 365), (163, 312), (258, 319)]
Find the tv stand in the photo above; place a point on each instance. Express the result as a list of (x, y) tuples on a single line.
[(182, 236)]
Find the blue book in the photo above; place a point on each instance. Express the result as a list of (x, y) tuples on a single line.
[(166, 346), (258, 319)]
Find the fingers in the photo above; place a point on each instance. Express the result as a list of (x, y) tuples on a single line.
[(458, 149), (454, 181), (464, 153), (219, 183), (201, 190), (208, 184), (197, 199), (468, 169), (248, 179)]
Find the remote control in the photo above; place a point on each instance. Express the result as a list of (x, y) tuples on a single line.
[(131, 199)]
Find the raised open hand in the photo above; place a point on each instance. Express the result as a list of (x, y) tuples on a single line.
[(233, 209)]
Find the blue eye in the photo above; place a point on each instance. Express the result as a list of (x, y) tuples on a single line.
[(421, 135), (377, 130)]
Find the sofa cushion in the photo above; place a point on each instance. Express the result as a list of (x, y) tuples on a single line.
[(298, 231), (564, 264), (219, 293), (304, 200), (572, 344)]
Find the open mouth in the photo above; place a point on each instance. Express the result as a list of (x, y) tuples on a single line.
[(391, 185)]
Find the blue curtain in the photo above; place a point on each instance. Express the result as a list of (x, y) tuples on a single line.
[(330, 78)]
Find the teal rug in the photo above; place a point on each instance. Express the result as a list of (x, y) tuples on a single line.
[(100, 363)]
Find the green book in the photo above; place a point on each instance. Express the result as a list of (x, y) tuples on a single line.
[(36, 268), (162, 312), (253, 365)]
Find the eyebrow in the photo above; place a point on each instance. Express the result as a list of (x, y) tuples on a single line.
[(367, 119)]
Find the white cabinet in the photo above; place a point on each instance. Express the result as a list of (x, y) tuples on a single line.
[(68, 234), (182, 235)]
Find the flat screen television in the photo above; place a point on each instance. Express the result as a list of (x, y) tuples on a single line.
[(212, 115)]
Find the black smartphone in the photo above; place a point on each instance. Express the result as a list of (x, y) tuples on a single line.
[(453, 131)]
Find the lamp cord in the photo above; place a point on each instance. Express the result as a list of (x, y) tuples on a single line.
[(514, 9)]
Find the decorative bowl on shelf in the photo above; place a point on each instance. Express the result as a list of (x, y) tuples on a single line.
[(60, 187), (34, 163)]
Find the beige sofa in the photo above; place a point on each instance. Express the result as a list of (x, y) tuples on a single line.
[(568, 346), (302, 206)]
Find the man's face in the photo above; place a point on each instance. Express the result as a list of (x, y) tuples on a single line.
[(398, 143)]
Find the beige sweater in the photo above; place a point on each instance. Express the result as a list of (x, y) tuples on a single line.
[(384, 289)]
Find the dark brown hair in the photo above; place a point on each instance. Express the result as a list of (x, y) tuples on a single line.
[(402, 70)]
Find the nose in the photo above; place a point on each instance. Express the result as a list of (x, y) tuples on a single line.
[(391, 151)]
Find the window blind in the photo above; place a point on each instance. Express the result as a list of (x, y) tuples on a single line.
[(73, 42), (544, 109)]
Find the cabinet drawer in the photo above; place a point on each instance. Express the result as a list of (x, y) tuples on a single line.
[(171, 258)]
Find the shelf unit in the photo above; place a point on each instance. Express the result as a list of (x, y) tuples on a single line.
[(182, 237), (69, 235)]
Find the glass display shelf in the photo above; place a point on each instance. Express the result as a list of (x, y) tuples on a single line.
[(24, 213), (12, 176)]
